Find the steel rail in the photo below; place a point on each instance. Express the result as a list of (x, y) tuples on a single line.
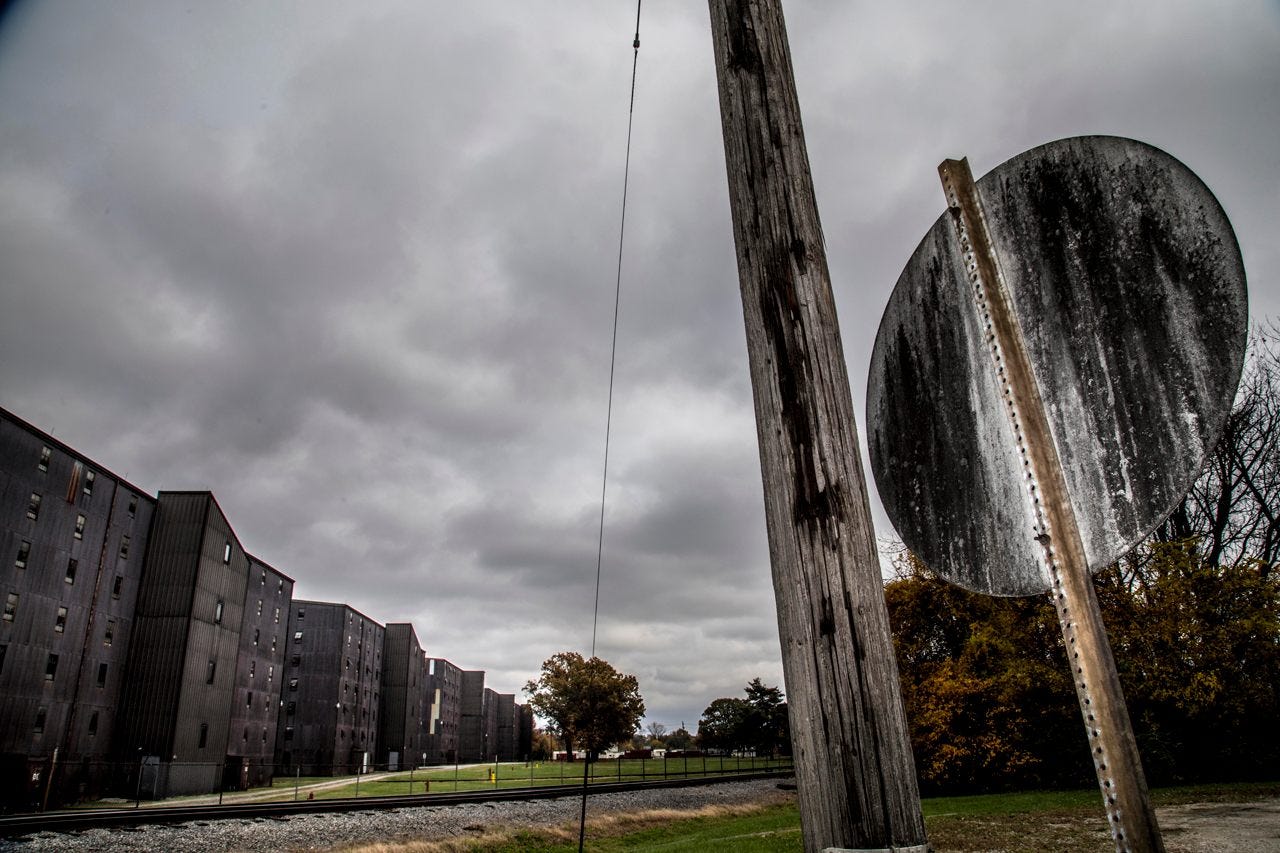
[(76, 819)]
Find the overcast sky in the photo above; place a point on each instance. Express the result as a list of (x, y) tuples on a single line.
[(351, 267)]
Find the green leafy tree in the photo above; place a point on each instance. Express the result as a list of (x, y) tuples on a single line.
[(544, 745), (767, 728), (721, 726), (758, 722), (587, 703)]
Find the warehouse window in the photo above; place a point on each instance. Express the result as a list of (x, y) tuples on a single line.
[(72, 565), (133, 505), (3, 649), (10, 607), (51, 668), (271, 673), (124, 547), (117, 586), (102, 675), (33, 507), (288, 732), (39, 726), (45, 455), (293, 684), (297, 636), (88, 482), (80, 520), (60, 623), (262, 581), (24, 553), (226, 553), (302, 612), (248, 702), (210, 672), (108, 635), (256, 635), (93, 725), (204, 736), (277, 616), (259, 606), (217, 612)]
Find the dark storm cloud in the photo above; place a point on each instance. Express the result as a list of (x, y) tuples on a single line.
[(352, 268)]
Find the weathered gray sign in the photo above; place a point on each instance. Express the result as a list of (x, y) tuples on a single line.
[(1126, 282)]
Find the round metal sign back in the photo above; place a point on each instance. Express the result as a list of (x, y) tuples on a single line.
[(1126, 283)]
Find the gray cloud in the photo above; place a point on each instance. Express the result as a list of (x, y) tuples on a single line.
[(351, 267)]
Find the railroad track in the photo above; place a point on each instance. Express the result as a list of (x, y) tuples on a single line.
[(74, 819)]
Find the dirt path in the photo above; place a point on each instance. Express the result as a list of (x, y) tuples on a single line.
[(1221, 827)]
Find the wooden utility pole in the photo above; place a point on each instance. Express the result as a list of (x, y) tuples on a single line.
[(854, 771)]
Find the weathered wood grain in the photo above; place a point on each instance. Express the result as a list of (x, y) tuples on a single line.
[(854, 769)]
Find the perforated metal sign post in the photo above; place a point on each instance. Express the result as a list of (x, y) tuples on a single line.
[(1054, 364)]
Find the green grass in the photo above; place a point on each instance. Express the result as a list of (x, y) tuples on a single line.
[(774, 829), (289, 781), (519, 775), (1024, 822), (476, 778), (1024, 802)]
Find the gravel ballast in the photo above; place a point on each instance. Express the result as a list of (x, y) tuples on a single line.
[(327, 830)]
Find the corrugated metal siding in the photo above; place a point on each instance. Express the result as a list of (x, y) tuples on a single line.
[(190, 609), (444, 690), (33, 462), (404, 690), (260, 670), (471, 745), (335, 718)]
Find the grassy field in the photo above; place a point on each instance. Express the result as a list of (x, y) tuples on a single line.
[(518, 775), (1070, 822)]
